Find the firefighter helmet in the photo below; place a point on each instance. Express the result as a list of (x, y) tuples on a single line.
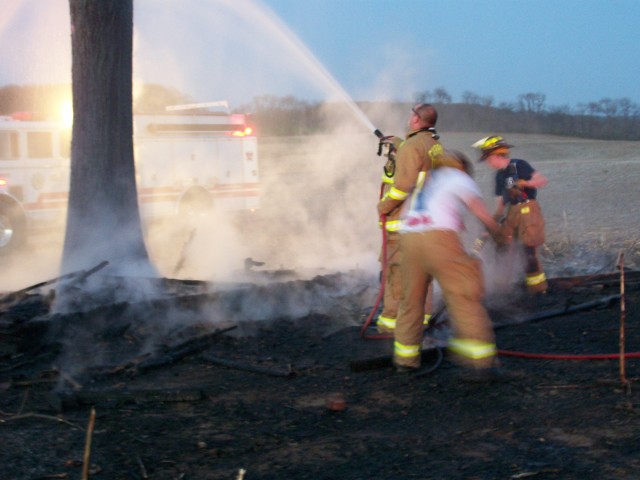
[(492, 144)]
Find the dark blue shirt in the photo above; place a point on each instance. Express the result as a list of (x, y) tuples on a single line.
[(507, 177)]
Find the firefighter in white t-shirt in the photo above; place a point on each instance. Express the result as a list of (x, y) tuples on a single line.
[(432, 249)]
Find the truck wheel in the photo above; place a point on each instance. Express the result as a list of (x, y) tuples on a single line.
[(12, 230)]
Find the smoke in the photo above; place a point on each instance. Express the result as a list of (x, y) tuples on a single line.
[(35, 45), (318, 194), (317, 214), (39, 263)]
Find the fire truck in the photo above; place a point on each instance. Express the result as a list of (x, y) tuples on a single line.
[(191, 159)]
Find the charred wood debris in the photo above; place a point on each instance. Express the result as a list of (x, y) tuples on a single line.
[(138, 336), (32, 334)]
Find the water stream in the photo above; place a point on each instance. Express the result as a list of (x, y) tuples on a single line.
[(279, 31)]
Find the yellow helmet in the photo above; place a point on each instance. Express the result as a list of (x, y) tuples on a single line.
[(492, 144)]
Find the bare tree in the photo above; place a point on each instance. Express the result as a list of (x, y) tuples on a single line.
[(103, 220), (609, 107), (531, 102), (626, 107), (440, 95), (470, 98)]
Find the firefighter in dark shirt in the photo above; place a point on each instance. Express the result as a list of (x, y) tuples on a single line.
[(517, 184)]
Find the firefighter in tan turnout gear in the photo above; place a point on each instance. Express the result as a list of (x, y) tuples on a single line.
[(405, 171), (517, 184), (432, 250)]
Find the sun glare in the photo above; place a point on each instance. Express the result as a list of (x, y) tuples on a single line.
[(66, 114)]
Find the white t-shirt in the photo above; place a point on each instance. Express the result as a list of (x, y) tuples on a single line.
[(441, 202)]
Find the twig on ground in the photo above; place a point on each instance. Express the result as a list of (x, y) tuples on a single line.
[(24, 401), (67, 378), (40, 415), (143, 470), (87, 445)]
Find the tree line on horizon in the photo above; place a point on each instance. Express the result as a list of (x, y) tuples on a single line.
[(605, 119)]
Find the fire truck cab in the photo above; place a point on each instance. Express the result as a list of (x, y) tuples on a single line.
[(185, 163)]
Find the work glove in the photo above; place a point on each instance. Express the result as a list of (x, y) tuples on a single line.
[(502, 237), (393, 140), (505, 236), (390, 167), (386, 145)]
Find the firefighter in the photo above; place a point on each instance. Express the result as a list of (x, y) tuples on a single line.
[(408, 164), (516, 189), (432, 250)]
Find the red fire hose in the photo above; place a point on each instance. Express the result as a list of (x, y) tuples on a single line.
[(552, 356), (374, 309)]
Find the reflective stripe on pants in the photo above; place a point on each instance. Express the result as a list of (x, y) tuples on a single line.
[(472, 349), (439, 254)]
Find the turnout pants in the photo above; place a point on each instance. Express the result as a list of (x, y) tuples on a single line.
[(392, 288), (387, 319), (439, 255), (525, 223)]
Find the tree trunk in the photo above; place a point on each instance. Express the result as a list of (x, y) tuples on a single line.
[(103, 221)]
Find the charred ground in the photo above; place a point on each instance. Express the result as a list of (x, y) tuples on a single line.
[(207, 402)]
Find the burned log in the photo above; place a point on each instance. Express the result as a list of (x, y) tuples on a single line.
[(79, 276), (234, 364), (169, 356), (14, 297), (114, 398)]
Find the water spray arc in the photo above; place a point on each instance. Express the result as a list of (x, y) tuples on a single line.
[(261, 15)]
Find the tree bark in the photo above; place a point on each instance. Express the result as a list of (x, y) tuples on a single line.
[(103, 221)]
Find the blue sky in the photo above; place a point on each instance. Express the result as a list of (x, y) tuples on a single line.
[(571, 51)]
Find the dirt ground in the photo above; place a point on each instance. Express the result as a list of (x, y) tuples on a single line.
[(306, 395)]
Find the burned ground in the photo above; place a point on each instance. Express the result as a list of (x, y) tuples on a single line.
[(308, 397)]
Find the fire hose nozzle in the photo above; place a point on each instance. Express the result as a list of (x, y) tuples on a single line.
[(380, 135)]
